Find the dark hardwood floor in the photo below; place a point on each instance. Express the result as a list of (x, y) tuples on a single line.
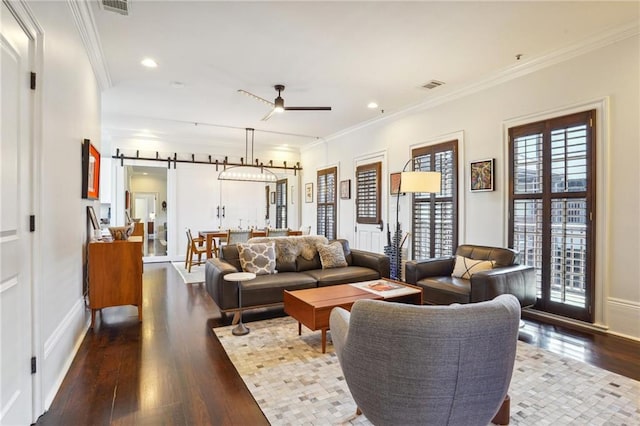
[(171, 369)]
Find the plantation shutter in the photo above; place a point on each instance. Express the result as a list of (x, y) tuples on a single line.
[(281, 203), (326, 206), (368, 184), (435, 216), (551, 200)]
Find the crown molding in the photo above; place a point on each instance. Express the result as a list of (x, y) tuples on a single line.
[(86, 25), (510, 73)]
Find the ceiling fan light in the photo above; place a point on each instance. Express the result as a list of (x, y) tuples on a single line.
[(279, 104)]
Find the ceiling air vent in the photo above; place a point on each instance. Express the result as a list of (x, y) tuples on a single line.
[(118, 6), (432, 84)]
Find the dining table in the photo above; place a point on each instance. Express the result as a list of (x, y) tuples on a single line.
[(222, 233)]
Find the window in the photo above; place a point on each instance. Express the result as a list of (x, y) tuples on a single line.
[(435, 216), (326, 213), (368, 193), (551, 204), (281, 203)]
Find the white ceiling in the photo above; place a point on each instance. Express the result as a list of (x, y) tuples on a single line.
[(339, 54)]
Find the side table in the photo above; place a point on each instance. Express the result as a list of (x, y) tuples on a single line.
[(239, 277)]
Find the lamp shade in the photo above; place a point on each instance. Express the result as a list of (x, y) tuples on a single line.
[(420, 182)]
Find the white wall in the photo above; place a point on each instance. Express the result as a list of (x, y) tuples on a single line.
[(70, 112), (609, 77)]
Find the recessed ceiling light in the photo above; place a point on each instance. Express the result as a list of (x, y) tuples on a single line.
[(149, 63), (372, 105)]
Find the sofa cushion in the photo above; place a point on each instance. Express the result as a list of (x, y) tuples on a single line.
[(347, 251), (230, 255), (303, 264), (466, 268), (269, 289), (332, 255), (259, 258), (347, 274)]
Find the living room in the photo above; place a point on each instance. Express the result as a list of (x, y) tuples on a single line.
[(597, 71)]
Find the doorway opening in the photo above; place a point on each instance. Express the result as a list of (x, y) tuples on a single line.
[(147, 189)]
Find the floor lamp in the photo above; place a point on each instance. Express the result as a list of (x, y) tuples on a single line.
[(412, 182)]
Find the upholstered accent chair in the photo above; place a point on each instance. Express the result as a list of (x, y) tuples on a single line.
[(427, 365), (463, 279)]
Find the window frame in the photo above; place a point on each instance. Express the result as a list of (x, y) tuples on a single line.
[(377, 189), (281, 204), (546, 196), (329, 203)]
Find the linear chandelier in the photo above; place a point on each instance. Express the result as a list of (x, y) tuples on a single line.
[(248, 172)]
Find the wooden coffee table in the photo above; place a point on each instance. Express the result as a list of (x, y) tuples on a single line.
[(313, 306)]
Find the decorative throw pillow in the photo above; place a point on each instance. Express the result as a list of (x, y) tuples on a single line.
[(258, 258), (332, 255), (465, 267)]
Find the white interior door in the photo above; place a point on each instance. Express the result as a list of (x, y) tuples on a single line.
[(372, 237), (15, 238)]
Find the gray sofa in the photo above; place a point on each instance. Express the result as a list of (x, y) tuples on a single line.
[(302, 273)]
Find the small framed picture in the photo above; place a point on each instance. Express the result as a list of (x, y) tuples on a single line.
[(93, 218), (90, 171), (308, 192), (394, 183), (345, 189), (273, 197), (481, 173)]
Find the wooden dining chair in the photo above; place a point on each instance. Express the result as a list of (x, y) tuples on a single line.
[(235, 236), (195, 246), (277, 232)]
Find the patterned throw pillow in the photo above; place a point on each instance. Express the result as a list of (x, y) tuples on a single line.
[(258, 258), (332, 255), (465, 267)]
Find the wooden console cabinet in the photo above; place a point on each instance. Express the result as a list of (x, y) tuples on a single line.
[(115, 275)]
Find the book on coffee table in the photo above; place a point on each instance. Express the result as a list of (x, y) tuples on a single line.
[(383, 286), (386, 289)]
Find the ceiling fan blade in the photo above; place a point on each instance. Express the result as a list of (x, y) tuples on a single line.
[(256, 97), (268, 116), (307, 108)]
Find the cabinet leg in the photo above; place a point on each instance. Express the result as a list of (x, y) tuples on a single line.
[(139, 313), (93, 317)]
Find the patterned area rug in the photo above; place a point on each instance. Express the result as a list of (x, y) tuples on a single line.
[(295, 383), (195, 276)]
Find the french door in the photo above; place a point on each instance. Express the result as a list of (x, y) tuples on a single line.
[(552, 208)]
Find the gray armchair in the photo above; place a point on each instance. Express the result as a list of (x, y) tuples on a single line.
[(428, 365)]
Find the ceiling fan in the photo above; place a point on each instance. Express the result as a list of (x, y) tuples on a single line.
[(278, 104)]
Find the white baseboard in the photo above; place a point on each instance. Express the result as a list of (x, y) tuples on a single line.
[(61, 348), (623, 317)]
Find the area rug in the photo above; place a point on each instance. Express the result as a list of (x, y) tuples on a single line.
[(195, 276), (294, 383)]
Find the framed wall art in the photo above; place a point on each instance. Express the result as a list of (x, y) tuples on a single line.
[(345, 189), (93, 218), (90, 171), (394, 183), (308, 192), (481, 173)]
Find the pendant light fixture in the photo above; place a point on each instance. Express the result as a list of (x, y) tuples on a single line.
[(251, 170)]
